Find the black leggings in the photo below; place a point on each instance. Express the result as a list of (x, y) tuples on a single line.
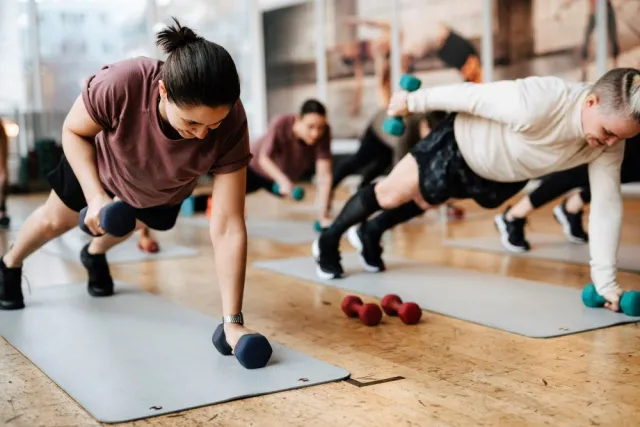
[(373, 158), (257, 182), (558, 183)]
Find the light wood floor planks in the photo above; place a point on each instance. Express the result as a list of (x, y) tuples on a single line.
[(455, 373)]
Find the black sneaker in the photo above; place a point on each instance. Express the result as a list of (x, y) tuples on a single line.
[(327, 261), (10, 287), (100, 282), (370, 249), (571, 224), (512, 233)]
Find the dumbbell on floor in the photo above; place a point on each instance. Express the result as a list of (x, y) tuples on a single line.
[(297, 193), (394, 125), (369, 314), (629, 301), (117, 219), (409, 312)]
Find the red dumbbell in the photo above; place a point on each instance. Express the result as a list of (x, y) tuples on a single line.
[(369, 314), (409, 312)]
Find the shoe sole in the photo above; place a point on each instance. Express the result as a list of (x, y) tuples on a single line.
[(13, 305), (566, 227), (504, 236), (315, 250), (354, 240)]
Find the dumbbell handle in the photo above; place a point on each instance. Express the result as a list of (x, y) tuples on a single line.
[(394, 125), (116, 218)]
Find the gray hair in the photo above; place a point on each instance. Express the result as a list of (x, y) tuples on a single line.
[(618, 92)]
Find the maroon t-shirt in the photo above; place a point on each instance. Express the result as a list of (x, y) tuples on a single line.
[(290, 154), (136, 160)]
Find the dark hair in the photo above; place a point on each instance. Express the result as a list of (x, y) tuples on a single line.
[(313, 106), (197, 71)]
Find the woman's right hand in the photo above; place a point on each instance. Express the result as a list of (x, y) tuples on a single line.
[(94, 206), (285, 188)]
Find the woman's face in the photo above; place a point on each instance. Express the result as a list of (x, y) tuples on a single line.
[(192, 122)]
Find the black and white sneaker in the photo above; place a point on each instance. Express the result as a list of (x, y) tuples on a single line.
[(327, 261), (512, 233), (370, 250), (571, 224)]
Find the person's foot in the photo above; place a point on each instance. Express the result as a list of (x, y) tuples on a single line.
[(370, 248), (512, 233), (100, 283), (571, 224), (454, 212), (10, 287), (4, 220), (147, 244), (327, 258)]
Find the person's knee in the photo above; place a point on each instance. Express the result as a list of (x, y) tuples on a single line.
[(53, 224), (388, 195)]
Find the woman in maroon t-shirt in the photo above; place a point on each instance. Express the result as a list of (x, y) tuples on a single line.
[(144, 131), (292, 146)]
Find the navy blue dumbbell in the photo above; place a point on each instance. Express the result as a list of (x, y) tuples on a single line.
[(117, 219), (394, 125), (253, 351)]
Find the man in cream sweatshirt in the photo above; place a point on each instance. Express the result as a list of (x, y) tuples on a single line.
[(497, 137)]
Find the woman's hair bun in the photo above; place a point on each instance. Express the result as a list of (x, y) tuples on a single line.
[(176, 36)]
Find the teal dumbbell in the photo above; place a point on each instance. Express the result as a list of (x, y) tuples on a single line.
[(629, 301), (394, 125), (296, 194), (317, 226)]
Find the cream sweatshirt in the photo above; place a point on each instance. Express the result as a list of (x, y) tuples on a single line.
[(521, 129)]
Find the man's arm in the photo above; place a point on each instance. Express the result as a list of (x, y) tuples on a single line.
[(605, 218), (324, 179), (229, 237), (518, 103)]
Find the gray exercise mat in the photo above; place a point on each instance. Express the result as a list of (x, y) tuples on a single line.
[(524, 307), (137, 355), (550, 247), (69, 245), (278, 230)]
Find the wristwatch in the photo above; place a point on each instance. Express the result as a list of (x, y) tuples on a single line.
[(236, 318)]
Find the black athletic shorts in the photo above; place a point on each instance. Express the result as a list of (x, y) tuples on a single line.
[(65, 184), (444, 174)]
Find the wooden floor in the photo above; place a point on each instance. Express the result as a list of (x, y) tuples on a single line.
[(455, 373)]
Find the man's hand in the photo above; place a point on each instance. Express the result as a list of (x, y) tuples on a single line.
[(398, 104)]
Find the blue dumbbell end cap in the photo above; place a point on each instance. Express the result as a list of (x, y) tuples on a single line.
[(393, 126), (630, 303), (410, 83)]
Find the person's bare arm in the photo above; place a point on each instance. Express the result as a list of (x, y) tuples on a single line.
[(4, 173), (358, 74), (77, 131), (229, 237), (324, 180), (275, 173)]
